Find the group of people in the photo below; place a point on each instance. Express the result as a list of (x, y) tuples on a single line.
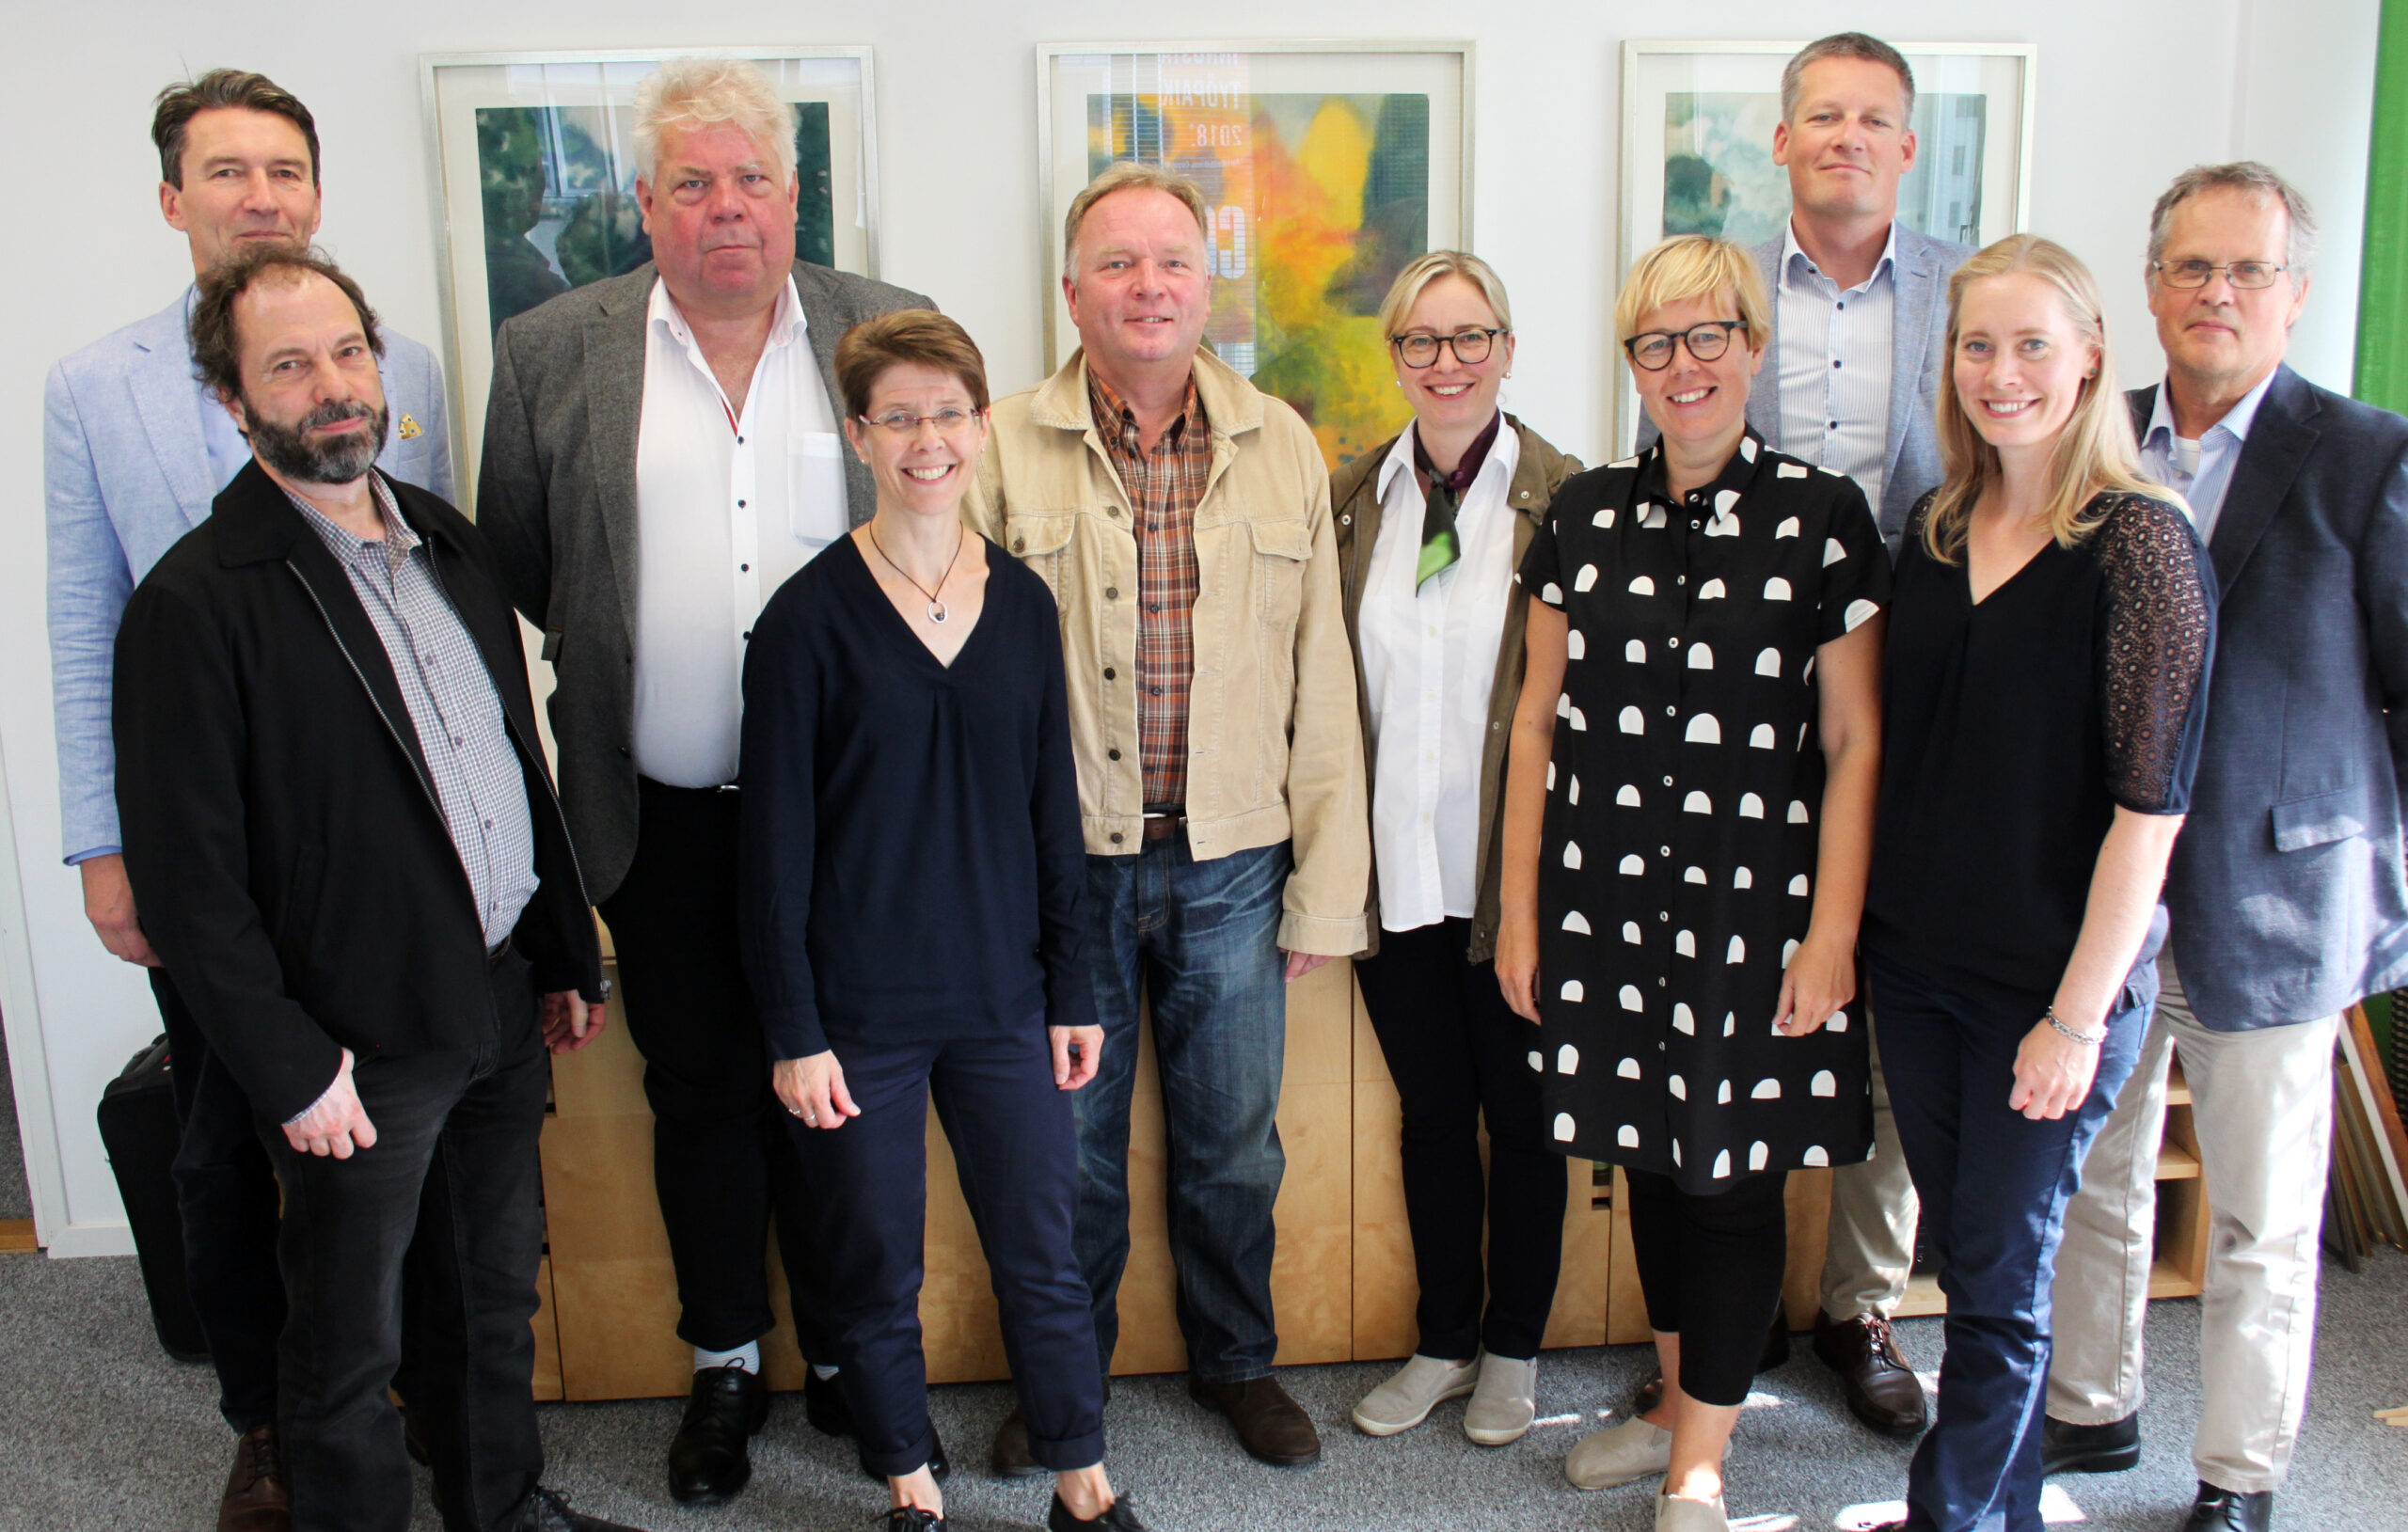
[(1920, 689)]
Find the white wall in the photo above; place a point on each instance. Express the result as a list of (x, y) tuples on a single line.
[(2129, 94)]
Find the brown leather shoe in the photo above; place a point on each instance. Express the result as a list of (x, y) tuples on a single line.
[(1776, 1352), (1012, 1457), (1272, 1426), (1882, 1391), (256, 1498)]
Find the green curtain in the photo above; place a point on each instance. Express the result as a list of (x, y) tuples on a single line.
[(2383, 301)]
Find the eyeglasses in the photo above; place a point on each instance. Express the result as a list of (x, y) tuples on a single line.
[(2248, 275), (1420, 348), (1653, 349), (905, 424)]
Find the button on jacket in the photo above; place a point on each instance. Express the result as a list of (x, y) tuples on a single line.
[(1275, 742), (1354, 495)]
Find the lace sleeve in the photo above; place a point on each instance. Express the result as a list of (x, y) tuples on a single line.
[(2155, 638)]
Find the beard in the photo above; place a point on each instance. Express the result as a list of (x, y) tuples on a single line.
[(290, 452)]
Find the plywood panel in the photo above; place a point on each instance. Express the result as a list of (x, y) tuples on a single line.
[(1810, 1227), (1386, 1286), (547, 1336), (1625, 1306), (1584, 1286)]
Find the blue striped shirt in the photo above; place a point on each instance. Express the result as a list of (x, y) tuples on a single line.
[(1834, 362)]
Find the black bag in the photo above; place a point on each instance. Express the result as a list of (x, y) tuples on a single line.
[(138, 1130)]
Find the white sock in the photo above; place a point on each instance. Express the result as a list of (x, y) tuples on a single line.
[(822, 1372), (747, 1357)]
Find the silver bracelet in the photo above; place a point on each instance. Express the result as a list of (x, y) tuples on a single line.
[(2089, 1039)]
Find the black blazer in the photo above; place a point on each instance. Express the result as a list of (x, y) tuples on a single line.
[(287, 851), (2286, 889)]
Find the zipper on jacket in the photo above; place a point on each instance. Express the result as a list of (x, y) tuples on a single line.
[(426, 786)]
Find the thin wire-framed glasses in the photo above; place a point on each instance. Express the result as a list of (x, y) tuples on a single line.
[(1653, 349), (2248, 275), (905, 424), (1470, 346)]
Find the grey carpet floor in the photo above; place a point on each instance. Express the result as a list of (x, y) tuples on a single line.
[(16, 1197), (98, 1431)]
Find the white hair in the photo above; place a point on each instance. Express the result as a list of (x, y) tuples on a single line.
[(702, 91)]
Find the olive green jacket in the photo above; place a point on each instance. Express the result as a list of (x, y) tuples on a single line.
[(1354, 497)]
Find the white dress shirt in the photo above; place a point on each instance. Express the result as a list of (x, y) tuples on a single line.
[(2200, 471), (727, 506), (1429, 664), (1835, 357)]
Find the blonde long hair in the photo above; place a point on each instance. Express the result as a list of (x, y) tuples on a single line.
[(2096, 452)]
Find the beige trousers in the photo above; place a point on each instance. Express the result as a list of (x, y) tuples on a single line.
[(2262, 1104), (1872, 1231)]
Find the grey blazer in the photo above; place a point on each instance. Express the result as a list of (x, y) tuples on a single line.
[(2286, 889), (556, 497)]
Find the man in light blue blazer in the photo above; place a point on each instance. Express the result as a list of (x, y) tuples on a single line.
[(134, 451)]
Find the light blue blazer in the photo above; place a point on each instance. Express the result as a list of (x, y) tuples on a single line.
[(125, 474)]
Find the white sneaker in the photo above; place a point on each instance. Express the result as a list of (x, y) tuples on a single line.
[(1506, 1401), (1406, 1399), (1619, 1454), (1673, 1515)]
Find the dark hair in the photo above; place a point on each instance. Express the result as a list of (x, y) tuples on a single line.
[(217, 348), (177, 104), (905, 337), (1845, 45)]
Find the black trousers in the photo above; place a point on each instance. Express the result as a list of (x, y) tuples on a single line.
[(452, 1191), (1458, 1053), (227, 1199), (1016, 1155), (721, 1156), (1711, 1268)]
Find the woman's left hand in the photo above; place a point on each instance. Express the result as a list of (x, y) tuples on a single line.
[(2053, 1073), (1073, 1069), (1821, 978)]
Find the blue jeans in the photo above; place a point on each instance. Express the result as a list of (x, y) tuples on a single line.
[(1201, 941), (1995, 1217)]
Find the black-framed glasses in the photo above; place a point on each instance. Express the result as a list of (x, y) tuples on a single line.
[(1653, 349), (904, 423), (2248, 275), (1470, 346)]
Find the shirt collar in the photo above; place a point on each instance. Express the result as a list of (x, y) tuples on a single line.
[(1723, 496), (400, 539), (786, 322), (2236, 423), (1792, 256), (1405, 455), (1113, 416)]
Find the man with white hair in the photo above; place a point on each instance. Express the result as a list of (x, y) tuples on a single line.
[(661, 452)]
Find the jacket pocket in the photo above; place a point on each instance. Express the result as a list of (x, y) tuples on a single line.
[(2322, 818), (1280, 552), (1041, 540)]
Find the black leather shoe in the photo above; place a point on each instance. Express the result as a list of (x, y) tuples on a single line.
[(2230, 1511), (1117, 1517), (1882, 1391), (824, 1403), (1776, 1353), (2090, 1449), (547, 1511), (912, 1518), (1012, 1457), (940, 1466), (709, 1458)]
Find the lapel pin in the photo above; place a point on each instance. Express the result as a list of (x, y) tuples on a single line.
[(409, 429)]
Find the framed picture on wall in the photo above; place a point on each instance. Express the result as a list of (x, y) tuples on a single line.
[(534, 180), (1698, 119), (1325, 167)]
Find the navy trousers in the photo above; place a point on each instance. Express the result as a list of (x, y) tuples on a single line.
[(1994, 1216), (1017, 1156)]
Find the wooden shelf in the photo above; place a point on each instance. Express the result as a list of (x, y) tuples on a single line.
[(2176, 1164)]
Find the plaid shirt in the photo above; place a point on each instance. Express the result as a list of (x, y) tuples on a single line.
[(1164, 486), (453, 706)]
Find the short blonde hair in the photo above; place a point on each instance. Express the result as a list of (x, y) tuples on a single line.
[(1690, 266), (2096, 452), (1423, 270), (703, 90), (1122, 175)]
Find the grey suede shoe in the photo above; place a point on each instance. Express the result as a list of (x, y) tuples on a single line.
[(1619, 1454), (1407, 1398), (1691, 1515), (1504, 1403)]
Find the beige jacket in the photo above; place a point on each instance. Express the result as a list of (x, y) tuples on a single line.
[(1356, 496), (1277, 749)]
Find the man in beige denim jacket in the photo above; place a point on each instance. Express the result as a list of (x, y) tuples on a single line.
[(1181, 519)]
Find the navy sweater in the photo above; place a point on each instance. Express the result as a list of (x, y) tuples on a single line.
[(912, 862)]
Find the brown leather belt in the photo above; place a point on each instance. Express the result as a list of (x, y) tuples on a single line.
[(1161, 824)]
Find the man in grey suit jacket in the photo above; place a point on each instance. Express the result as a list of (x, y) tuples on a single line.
[(134, 451), (2287, 890), (661, 452)]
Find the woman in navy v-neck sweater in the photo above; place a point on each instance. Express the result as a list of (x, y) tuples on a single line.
[(912, 873)]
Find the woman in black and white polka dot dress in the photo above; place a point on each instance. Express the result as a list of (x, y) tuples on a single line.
[(1688, 824)]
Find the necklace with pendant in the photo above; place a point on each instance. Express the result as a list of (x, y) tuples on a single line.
[(938, 611)]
